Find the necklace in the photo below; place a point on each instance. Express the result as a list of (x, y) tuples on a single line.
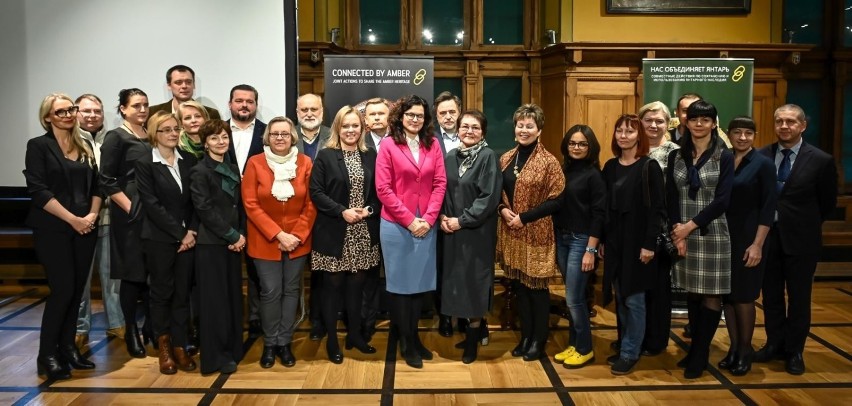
[(515, 170), (130, 130)]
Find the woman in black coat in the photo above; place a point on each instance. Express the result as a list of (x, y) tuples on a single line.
[(346, 230), (168, 236), (61, 179), (119, 152), (215, 190), (635, 211)]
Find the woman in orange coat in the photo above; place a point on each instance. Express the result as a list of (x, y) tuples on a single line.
[(281, 215)]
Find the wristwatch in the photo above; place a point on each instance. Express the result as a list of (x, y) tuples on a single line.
[(593, 250), (369, 210)]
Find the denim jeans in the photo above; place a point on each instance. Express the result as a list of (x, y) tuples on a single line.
[(109, 288), (631, 314), (570, 248)]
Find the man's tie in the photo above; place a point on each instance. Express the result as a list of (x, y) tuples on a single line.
[(784, 169)]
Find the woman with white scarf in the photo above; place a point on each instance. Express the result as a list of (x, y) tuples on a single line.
[(280, 218)]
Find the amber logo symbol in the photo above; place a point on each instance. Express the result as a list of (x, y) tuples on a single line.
[(739, 72), (419, 77)]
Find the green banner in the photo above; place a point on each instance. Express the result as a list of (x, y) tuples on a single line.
[(727, 83)]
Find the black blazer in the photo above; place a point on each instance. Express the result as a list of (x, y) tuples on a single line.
[(330, 194), (48, 178), (168, 212), (256, 146), (221, 216), (808, 197)]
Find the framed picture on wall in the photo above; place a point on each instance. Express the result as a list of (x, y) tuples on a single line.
[(699, 7)]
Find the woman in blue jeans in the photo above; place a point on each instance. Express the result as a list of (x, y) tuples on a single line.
[(579, 224)]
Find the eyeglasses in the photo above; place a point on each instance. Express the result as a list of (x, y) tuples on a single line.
[(63, 113), (168, 130), (580, 145), (472, 129), (92, 112), (282, 136), (413, 117)]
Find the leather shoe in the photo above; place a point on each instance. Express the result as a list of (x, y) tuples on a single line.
[(768, 352), (286, 355), (650, 353), (71, 355), (183, 359), (522, 347), (535, 352), (52, 367), (445, 325), (795, 364), (360, 345), (267, 358), (742, 364), (729, 360), (317, 332)]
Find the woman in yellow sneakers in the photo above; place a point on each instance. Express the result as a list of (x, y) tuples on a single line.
[(578, 225)]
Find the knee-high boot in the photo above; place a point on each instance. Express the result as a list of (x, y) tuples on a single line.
[(699, 351)]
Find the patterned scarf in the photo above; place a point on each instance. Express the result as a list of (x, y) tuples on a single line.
[(469, 155), (283, 169), (187, 144)]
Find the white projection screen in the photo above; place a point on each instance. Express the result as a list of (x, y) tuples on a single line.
[(103, 46)]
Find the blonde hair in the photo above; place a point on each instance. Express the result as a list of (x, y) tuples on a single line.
[(337, 124), (196, 105), (77, 141), (154, 123)]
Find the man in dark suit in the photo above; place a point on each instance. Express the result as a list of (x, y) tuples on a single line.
[(312, 134), (181, 81), (247, 141), (447, 107), (807, 184), (312, 137)]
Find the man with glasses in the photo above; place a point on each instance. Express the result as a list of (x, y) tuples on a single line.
[(247, 141), (447, 108), (90, 116), (181, 82), (312, 137)]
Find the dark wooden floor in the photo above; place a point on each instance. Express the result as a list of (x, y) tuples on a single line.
[(496, 378)]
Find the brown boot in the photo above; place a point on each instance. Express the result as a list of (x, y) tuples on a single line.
[(167, 364), (184, 360)]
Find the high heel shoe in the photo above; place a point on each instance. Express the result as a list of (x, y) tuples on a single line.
[(421, 349), (135, 348), (409, 353), (71, 355), (51, 367), (360, 345), (522, 347), (728, 361)]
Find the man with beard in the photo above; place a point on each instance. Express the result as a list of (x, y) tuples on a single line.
[(181, 81), (91, 118), (312, 137), (447, 109), (247, 141)]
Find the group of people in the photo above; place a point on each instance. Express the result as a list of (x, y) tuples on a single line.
[(191, 196)]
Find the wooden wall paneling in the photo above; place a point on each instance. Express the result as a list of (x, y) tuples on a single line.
[(352, 36), (554, 102), (763, 110), (472, 84), (603, 102)]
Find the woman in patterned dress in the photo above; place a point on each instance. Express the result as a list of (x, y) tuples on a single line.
[(699, 178), (346, 231), (526, 245)]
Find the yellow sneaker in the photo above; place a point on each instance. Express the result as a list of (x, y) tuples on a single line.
[(577, 360), (565, 354)]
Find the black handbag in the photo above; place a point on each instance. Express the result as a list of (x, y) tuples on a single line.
[(664, 239)]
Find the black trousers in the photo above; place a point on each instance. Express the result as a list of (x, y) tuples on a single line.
[(789, 323), (658, 307), (66, 257), (220, 289), (170, 280), (370, 305)]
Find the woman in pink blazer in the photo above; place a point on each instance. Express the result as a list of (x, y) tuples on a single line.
[(410, 182)]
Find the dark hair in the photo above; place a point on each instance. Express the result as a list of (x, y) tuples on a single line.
[(124, 97), (211, 127), (593, 157), (247, 88), (642, 143), (179, 68), (91, 97), (445, 96), (478, 115), (699, 108), (744, 122), (397, 132)]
